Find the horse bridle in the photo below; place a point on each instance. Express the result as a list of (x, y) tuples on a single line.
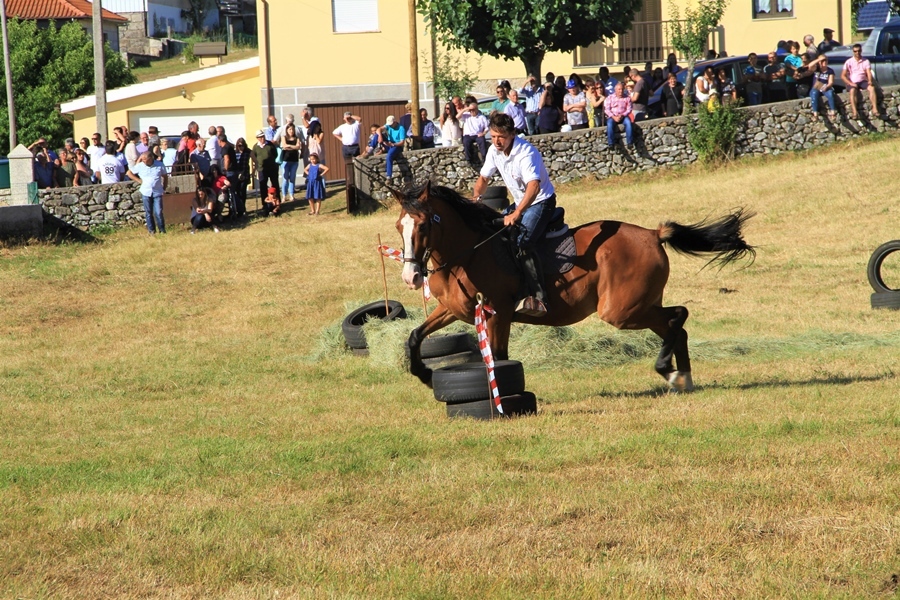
[(423, 264)]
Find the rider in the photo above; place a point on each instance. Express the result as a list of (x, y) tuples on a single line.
[(522, 168)]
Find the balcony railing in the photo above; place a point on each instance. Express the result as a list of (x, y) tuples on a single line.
[(647, 41)]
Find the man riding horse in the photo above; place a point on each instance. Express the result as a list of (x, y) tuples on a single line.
[(522, 168)]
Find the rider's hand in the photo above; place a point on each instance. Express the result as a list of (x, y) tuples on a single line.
[(510, 219)]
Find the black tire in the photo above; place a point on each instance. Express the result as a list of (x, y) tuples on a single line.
[(444, 345), (874, 269), (465, 383), (360, 351), (886, 300), (460, 358), (516, 404), (352, 325)]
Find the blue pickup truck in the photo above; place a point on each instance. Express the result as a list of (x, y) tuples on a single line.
[(882, 48)]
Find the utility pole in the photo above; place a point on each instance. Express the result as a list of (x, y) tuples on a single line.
[(413, 69), (9, 94), (99, 69)]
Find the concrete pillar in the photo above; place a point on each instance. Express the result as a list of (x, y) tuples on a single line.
[(21, 173)]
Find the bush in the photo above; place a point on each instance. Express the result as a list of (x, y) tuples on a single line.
[(712, 133)]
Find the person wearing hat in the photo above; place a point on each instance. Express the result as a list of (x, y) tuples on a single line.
[(575, 106), (395, 137), (522, 169), (262, 160), (829, 43), (348, 133)]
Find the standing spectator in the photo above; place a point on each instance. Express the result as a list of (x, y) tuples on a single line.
[(315, 140), (672, 94), (559, 92), (200, 157), (725, 87), (829, 43), (121, 136), (532, 92), (499, 105), (671, 65), (595, 99), (823, 85), (618, 110), (811, 50), (152, 136), (212, 148), (229, 169), (395, 138), (640, 95), (242, 170), (109, 169), (271, 131), (290, 159), (193, 137), (451, 132), (44, 171), (781, 48), (406, 119), (774, 76), (752, 80), (792, 62), (131, 152), (144, 144), (348, 134), (804, 76), (315, 183), (857, 75), (168, 154), (151, 174), (426, 128), (458, 104), (517, 112), (202, 209), (575, 106), (262, 159), (474, 126), (84, 144), (703, 90), (83, 175), (657, 79), (96, 151), (550, 118), (65, 171)]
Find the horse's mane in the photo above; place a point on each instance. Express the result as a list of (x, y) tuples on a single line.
[(474, 214)]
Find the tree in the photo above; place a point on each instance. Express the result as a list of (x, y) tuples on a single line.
[(50, 66), (691, 36), (196, 13), (526, 29), (451, 77)]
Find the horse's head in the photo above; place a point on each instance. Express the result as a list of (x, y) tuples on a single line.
[(414, 225)]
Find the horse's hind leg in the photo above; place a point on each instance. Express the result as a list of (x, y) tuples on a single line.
[(670, 327)]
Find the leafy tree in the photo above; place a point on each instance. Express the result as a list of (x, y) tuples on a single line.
[(526, 29), (196, 13), (691, 36), (50, 66), (452, 78)]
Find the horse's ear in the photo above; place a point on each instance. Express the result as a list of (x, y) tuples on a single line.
[(400, 196), (426, 192)]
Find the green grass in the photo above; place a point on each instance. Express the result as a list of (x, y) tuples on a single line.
[(181, 420)]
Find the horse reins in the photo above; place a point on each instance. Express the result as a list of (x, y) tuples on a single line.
[(423, 264)]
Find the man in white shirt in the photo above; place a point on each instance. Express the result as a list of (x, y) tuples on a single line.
[(95, 151), (109, 168), (215, 155), (516, 111), (475, 126), (532, 92), (522, 169), (348, 133), (151, 174)]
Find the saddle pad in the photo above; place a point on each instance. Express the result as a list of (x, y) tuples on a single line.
[(558, 254)]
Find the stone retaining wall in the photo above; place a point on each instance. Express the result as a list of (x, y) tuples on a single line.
[(769, 129), (115, 204)]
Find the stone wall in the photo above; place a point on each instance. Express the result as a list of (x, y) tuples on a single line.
[(115, 204), (769, 129)]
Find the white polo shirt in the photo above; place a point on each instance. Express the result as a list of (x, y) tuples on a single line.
[(523, 165), (349, 133), (473, 124)]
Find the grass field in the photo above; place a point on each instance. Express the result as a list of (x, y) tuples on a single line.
[(179, 420)]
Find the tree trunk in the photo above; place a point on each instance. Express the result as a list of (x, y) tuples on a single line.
[(688, 81), (533, 62)]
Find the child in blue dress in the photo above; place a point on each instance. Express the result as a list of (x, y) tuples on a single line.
[(315, 183)]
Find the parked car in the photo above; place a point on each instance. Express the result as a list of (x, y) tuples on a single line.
[(882, 48)]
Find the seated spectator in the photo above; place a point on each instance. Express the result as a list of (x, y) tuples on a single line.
[(109, 168), (44, 171), (451, 131), (272, 203), (374, 144), (65, 171), (550, 118), (711, 54), (394, 138), (618, 111), (857, 75), (499, 105), (221, 188), (168, 154), (752, 80), (475, 127), (83, 175), (202, 209), (705, 85), (200, 157), (725, 87), (672, 95), (804, 77), (823, 85), (517, 112), (773, 74), (426, 129)]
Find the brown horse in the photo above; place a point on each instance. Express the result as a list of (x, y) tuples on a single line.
[(620, 271)]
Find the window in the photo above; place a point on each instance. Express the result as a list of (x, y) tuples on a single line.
[(891, 43), (354, 16), (772, 9)]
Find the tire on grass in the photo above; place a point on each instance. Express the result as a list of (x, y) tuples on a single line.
[(445, 345), (469, 382), (873, 270), (886, 300), (516, 404), (449, 360), (352, 326)]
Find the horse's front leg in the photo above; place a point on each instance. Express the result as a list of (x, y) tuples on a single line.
[(498, 326), (439, 318)]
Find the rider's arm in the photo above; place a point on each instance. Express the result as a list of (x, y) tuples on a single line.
[(531, 191), (481, 184)]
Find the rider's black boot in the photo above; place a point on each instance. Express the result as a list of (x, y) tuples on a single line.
[(534, 305)]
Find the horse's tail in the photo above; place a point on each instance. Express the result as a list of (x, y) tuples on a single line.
[(722, 238)]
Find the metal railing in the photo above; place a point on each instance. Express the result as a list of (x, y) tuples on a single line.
[(647, 41)]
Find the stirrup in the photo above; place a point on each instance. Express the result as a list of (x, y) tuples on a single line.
[(531, 306)]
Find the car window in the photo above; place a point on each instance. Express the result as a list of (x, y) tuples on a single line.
[(890, 42)]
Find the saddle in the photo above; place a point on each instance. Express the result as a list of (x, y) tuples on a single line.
[(555, 248)]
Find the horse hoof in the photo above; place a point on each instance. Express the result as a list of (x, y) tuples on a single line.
[(680, 381)]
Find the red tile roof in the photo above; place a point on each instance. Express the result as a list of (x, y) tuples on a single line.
[(56, 9)]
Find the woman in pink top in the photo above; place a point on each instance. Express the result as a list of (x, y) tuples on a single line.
[(857, 74)]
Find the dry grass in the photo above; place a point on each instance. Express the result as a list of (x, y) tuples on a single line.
[(178, 420)]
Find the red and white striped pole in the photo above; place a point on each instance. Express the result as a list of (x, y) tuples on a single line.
[(484, 344)]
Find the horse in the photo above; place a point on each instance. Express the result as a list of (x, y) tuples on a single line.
[(619, 270)]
